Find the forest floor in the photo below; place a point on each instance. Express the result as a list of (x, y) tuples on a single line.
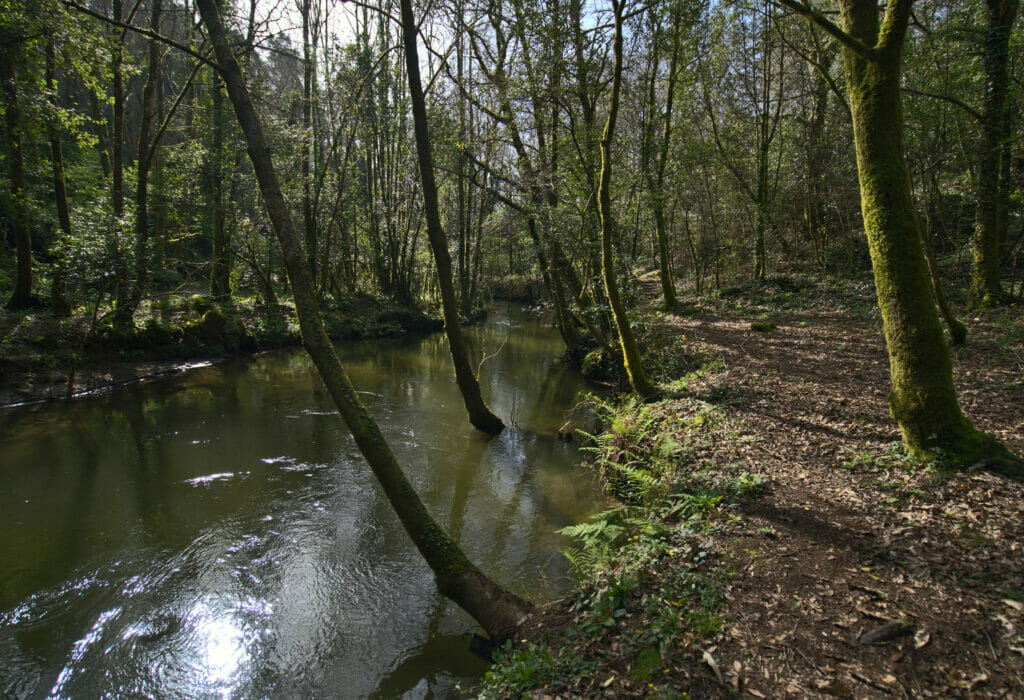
[(45, 357), (796, 551)]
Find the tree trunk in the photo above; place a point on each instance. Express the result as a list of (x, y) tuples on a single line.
[(498, 611), (631, 360), (117, 138), (120, 270), (1006, 184), (101, 133), (922, 398), (125, 311), (308, 222), (986, 289), (656, 180), (18, 215), (220, 264), (479, 415), (58, 289), (957, 329)]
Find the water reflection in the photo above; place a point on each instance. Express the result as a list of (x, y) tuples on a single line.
[(218, 534)]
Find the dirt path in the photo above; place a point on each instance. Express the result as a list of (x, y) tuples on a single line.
[(849, 537)]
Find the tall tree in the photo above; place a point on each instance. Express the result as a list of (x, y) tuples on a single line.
[(986, 288), (58, 292), (631, 360), (479, 415), (656, 175), (498, 611), (922, 399), (10, 49), (147, 146)]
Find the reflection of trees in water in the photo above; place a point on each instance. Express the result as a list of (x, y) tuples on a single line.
[(81, 495), (438, 656), (133, 449)]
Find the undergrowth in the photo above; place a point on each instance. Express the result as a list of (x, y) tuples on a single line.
[(648, 594)]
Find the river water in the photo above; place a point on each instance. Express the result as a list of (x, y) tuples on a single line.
[(217, 534)]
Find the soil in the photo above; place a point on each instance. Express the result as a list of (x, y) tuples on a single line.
[(857, 573), (859, 547)]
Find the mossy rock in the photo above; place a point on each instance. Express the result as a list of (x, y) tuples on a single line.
[(762, 326)]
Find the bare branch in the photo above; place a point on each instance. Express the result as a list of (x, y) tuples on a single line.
[(140, 30), (946, 98), (830, 27)]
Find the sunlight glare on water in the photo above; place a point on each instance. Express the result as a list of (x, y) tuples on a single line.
[(217, 533)]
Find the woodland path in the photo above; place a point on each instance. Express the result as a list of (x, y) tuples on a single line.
[(848, 536)]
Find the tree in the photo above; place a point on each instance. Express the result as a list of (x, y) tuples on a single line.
[(631, 360), (760, 92), (498, 611), (986, 289), (10, 48), (479, 415), (922, 399), (656, 174), (58, 293), (147, 145)]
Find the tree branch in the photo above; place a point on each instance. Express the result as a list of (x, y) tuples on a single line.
[(140, 30), (946, 98), (830, 27)]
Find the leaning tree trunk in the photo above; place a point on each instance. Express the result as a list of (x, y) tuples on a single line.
[(630, 350), (957, 328), (479, 415), (986, 289), (922, 399), (498, 611), (18, 216)]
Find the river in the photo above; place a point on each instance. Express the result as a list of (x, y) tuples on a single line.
[(217, 534)]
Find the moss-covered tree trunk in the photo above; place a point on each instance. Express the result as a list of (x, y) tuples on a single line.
[(986, 289), (498, 611), (922, 399), (631, 360), (18, 216), (479, 415)]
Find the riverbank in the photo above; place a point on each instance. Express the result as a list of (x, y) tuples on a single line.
[(772, 539), (44, 357)]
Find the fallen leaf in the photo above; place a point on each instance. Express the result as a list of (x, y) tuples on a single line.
[(710, 661), (832, 686), (886, 632)]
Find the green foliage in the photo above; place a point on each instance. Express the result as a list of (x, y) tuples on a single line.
[(747, 484), (895, 456), (519, 670)]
